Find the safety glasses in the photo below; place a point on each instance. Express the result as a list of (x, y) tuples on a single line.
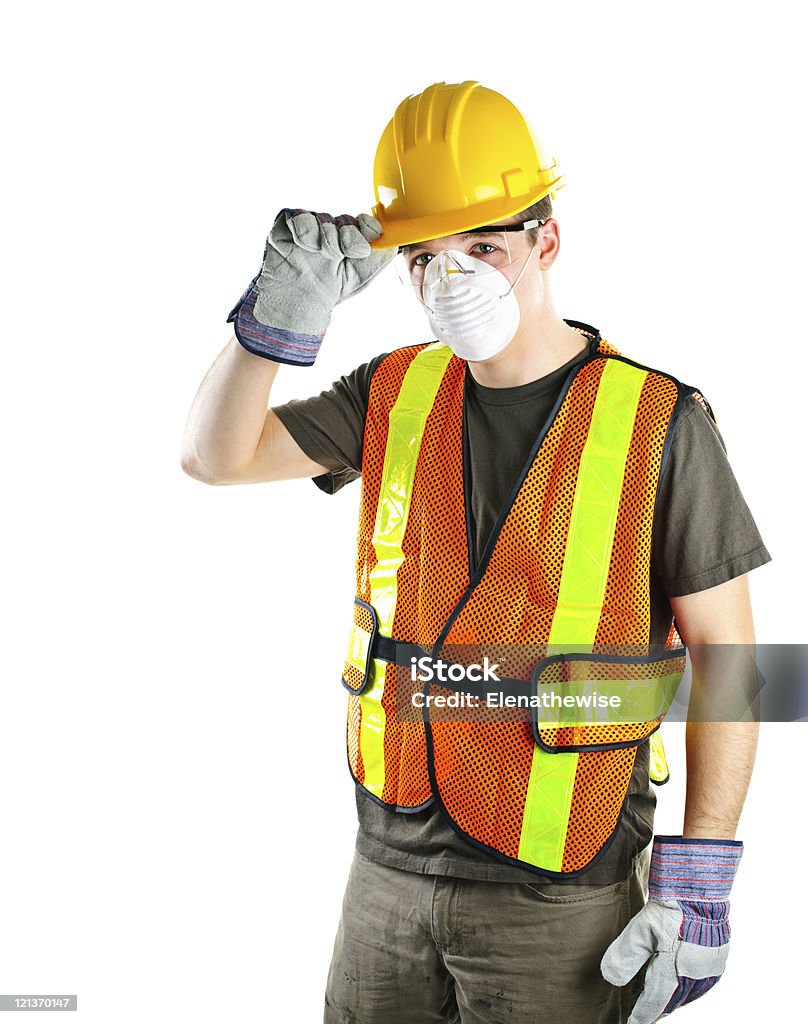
[(491, 248)]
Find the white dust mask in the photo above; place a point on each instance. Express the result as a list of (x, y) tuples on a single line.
[(475, 313)]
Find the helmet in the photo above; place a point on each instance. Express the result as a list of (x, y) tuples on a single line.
[(456, 157)]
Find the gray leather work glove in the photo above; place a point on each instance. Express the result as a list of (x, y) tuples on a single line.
[(312, 262), (683, 929)]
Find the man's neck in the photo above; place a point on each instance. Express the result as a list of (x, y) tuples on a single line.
[(534, 351)]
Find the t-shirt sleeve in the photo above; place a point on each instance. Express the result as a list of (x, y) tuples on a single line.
[(704, 533), (330, 427)]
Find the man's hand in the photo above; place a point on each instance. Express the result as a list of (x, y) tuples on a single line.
[(683, 929), (312, 262)]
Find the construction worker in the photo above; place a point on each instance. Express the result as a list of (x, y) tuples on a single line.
[(522, 481)]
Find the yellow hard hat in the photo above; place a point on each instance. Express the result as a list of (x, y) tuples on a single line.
[(456, 157)]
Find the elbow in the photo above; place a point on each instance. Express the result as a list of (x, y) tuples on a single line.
[(193, 467)]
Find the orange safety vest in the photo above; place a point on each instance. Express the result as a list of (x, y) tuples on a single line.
[(567, 563)]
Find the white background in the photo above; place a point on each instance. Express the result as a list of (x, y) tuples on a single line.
[(177, 817)]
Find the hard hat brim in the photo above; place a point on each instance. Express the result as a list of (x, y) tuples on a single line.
[(452, 222)]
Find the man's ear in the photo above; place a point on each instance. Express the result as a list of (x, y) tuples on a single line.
[(549, 243)]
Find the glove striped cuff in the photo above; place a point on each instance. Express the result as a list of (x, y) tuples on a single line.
[(697, 874), (693, 869), (271, 342)]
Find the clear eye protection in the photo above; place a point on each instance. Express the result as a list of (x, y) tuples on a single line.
[(492, 250)]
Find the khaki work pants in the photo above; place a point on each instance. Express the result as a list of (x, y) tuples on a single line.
[(430, 949)]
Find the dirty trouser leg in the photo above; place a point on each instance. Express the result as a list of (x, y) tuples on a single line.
[(415, 949), (386, 968), (524, 953)]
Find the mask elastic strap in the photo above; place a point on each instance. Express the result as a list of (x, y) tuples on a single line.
[(519, 275)]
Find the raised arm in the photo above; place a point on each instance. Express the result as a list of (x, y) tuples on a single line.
[(231, 437), (312, 261)]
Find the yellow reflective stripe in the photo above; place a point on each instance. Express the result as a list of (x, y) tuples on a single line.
[(358, 643), (548, 800), (371, 731), (547, 809), (659, 770), (594, 509), (405, 431)]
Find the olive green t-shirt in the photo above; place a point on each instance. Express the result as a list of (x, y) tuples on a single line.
[(703, 535)]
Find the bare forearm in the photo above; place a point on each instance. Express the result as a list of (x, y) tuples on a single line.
[(722, 730), (720, 757), (228, 415)]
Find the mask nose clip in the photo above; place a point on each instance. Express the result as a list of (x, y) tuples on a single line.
[(446, 263)]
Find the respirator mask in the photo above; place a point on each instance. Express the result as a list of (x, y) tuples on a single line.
[(469, 300)]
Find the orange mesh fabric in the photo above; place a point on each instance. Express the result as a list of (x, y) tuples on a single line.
[(601, 785), (354, 753), (607, 348), (485, 794), (406, 781)]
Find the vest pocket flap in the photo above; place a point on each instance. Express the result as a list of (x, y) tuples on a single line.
[(587, 702), (361, 643)]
